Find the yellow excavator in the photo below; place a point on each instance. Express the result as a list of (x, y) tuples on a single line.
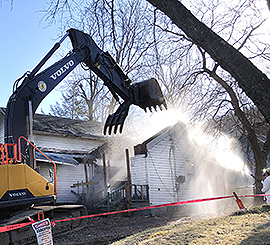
[(20, 184)]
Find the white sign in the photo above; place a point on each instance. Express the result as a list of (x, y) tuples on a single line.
[(43, 232)]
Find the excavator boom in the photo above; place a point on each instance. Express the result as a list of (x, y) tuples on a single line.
[(36, 86)]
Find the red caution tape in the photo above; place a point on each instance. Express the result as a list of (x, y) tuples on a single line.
[(145, 208), (13, 227), (17, 226), (255, 195)]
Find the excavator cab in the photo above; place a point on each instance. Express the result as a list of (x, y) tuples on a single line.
[(19, 183)]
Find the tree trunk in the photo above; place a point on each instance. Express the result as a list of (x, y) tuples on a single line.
[(259, 155), (254, 83), (90, 104)]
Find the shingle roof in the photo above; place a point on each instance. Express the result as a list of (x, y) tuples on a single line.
[(67, 126)]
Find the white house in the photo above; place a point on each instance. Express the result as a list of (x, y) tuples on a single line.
[(175, 169), (66, 142), (160, 164)]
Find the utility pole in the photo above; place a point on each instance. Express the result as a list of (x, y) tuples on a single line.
[(104, 175), (86, 179), (128, 183)]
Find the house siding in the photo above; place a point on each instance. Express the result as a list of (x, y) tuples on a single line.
[(166, 164), (139, 170), (2, 121), (162, 167), (67, 175)]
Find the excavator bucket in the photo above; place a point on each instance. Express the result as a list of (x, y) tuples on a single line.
[(145, 94), (148, 94)]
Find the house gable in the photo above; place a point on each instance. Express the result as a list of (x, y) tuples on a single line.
[(163, 168)]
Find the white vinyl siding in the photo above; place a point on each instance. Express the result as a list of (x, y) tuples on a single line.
[(2, 121), (67, 175), (162, 167), (166, 163), (139, 170)]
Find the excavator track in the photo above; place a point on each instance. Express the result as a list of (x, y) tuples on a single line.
[(26, 235)]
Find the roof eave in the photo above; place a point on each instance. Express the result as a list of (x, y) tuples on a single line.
[(90, 137)]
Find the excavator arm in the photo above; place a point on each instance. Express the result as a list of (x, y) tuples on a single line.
[(29, 93), (145, 94)]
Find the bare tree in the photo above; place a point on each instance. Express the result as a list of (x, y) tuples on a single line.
[(198, 69), (9, 1), (224, 63), (81, 97), (118, 27), (249, 77)]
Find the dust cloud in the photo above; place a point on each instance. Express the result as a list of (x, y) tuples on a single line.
[(219, 169)]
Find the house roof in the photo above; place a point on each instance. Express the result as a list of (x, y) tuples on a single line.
[(46, 124), (142, 148), (59, 126), (59, 158)]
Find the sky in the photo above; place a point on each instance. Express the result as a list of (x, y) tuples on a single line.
[(25, 40)]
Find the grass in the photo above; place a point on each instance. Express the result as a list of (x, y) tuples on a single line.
[(252, 227)]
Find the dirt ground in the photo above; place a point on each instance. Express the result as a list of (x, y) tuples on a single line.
[(252, 227), (105, 230)]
